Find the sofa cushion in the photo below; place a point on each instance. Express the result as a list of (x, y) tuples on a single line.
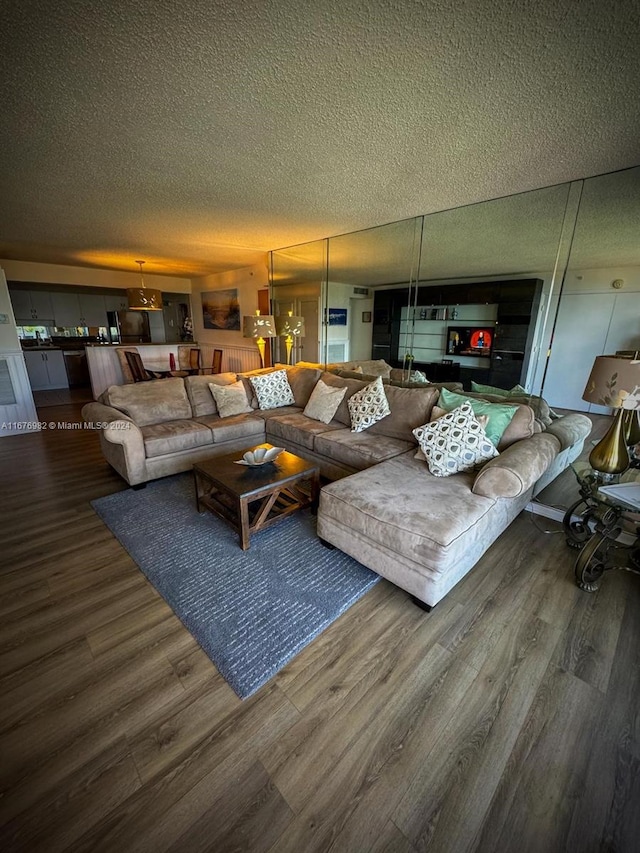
[(455, 442), (500, 415), (543, 414), (267, 414), (298, 429), (151, 402), (323, 402), (273, 390), (302, 381), (368, 406), (410, 407), (352, 385), (172, 436), (518, 468), (498, 392), (233, 427), (230, 399), (522, 425), (199, 393), (360, 449), (433, 521)]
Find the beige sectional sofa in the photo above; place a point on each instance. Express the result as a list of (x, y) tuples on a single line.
[(383, 506)]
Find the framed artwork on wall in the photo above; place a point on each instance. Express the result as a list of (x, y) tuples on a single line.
[(221, 310), (366, 316), (337, 316)]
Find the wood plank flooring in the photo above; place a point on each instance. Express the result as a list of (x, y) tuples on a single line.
[(506, 719)]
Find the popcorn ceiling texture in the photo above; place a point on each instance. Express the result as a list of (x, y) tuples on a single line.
[(200, 134)]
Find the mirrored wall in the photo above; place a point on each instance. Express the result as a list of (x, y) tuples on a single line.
[(475, 293)]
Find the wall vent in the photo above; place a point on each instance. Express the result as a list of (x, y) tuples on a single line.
[(336, 351), (361, 291)]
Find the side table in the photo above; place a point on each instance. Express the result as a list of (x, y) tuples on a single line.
[(600, 520)]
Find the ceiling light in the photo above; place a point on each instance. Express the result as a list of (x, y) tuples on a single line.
[(144, 298)]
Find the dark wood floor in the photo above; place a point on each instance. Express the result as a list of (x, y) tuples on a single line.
[(508, 719)]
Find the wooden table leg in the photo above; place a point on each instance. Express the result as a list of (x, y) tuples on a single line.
[(243, 513)]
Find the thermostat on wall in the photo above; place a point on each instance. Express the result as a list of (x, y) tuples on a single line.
[(4, 318)]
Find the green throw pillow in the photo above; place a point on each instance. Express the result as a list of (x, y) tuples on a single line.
[(499, 392), (499, 415)]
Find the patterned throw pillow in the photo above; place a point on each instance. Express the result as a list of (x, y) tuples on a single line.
[(368, 406), (323, 402), (273, 390), (455, 442), (230, 399)]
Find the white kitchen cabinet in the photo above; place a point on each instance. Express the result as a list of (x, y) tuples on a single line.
[(117, 303), (92, 310), (46, 369), (71, 309), (31, 307), (66, 309)]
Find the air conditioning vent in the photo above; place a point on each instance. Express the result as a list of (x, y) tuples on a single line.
[(361, 291)]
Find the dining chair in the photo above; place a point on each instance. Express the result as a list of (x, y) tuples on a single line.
[(139, 371), (216, 363)]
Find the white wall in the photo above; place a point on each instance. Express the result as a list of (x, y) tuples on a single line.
[(594, 319), (247, 281), (90, 277)]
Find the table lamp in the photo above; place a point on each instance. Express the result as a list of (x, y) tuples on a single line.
[(614, 381), (289, 327), (259, 327)]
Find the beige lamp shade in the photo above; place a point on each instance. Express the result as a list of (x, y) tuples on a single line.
[(614, 381), (258, 326), (144, 298), (287, 325)]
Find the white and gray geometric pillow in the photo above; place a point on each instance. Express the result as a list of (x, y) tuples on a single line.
[(455, 442), (368, 406), (273, 390)]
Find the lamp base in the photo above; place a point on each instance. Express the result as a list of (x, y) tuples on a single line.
[(260, 343), (288, 342), (610, 456)]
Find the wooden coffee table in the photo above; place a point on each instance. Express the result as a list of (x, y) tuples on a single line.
[(250, 499)]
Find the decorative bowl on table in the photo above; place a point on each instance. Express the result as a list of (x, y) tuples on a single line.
[(259, 456)]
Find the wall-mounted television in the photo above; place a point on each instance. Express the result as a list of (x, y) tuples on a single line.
[(470, 340)]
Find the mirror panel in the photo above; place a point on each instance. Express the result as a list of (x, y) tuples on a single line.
[(358, 263), (298, 285), (599, 312), (485, 271)]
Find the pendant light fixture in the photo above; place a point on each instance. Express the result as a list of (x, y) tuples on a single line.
[(144, 298)]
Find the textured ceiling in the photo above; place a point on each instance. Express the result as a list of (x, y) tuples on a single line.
[(200, 134)]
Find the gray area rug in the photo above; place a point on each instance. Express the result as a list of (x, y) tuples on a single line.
[(251, 611)]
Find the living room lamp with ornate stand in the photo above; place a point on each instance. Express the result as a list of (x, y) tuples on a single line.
[(615, 382), (289, 327), (144, 298), (259, 326)]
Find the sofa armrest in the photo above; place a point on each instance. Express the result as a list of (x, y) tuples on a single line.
[(121, 440), (517, 468), (570, 429)]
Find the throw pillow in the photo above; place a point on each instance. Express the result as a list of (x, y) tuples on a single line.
[(437, 413), (230, 399), (324, 402), (499, 392), (455, 442), (368, 406), (273, 390), (500, 415)]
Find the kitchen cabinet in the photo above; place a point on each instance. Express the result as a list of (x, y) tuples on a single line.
[(46, 369), (71, 309), (116, 303), (92, 310), (31, 307)]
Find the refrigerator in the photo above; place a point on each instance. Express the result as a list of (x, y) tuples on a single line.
[(129, 327)]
